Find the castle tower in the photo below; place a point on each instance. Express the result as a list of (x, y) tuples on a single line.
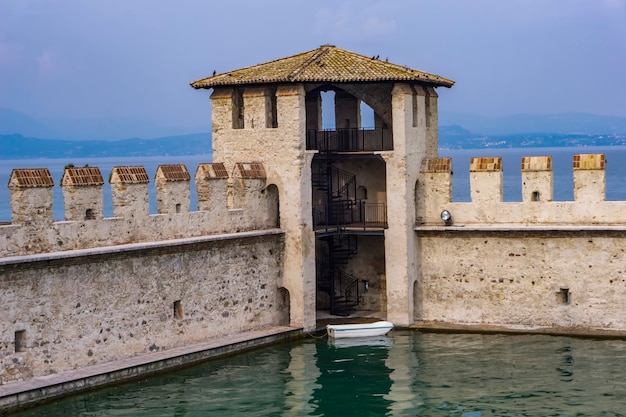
[(347, 186)]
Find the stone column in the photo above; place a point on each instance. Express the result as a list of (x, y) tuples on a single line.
[(403, 164)]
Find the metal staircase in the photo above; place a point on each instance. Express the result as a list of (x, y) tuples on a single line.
[(340, 209)]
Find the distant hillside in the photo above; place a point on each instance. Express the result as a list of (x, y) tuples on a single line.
[(562, 123), (457, 137), (20, 147)]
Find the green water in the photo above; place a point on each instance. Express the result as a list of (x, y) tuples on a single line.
[(407, 374)]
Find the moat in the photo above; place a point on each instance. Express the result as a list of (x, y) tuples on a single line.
[(409, 373)]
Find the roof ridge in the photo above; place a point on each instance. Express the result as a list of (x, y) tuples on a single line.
[(320, 51)]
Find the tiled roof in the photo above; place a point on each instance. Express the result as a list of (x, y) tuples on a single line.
[(324, 64), (489, 164), (589, 161), (31, 178), (85, 176), (131, 175), (536, 163), (436, 165), (173, 172), (215, 170), (249, 170)]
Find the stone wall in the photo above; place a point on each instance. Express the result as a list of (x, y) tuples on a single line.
[(33, 229), (571, 279), (77, 308), (537, 262)]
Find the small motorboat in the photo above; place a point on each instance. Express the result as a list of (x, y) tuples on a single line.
[(378, 328)]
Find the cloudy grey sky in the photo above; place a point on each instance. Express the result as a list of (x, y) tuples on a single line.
[(134, 59)]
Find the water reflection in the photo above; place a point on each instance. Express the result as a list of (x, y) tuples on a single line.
[(353, 376), (407, 374)]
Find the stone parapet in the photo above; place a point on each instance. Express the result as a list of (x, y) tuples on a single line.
[(33, 229), (537, 206)]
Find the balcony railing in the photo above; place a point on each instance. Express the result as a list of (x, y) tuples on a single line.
[(349, 140), (346, 214)]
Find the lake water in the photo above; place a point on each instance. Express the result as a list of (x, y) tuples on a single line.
[(407, 374), (561, 160)]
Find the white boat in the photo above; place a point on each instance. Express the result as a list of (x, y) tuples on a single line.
[(378, 328)]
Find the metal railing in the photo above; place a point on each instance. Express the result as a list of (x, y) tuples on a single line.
[(349, 140), (350, 214)]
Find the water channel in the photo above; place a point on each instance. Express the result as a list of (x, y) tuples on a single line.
[(408, 373)]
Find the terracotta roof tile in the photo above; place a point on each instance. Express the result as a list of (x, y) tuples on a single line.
[(324, 64), (215, 170), (85, 176), (131, 174), (31, 178), (490, 164), (173, 172), (589, 161), (536, 163), (436, 165), (250, 170)]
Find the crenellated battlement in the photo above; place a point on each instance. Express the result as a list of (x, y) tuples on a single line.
[(227, 203), (537, 207)]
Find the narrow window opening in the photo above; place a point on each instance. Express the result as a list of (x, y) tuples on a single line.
[(89, 214), (178, 207), (178, 310), (272, 120), (427, 110), (565, 295), (535, 196), (238, 110), (415, 110), (20, 341)]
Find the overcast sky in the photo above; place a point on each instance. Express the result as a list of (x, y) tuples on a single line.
[(135, 58)]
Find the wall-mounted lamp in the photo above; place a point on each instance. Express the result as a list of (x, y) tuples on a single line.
[(446, 217)]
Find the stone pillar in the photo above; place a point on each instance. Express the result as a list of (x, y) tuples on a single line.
[(257, 105), (31, 195), (589, 178), (537, 179), (401, 244), (221, 111), (486, 179), (82, 193), (293, 178), (313, 110), (129, 192), (432, 122), (437, 185), (172, 189)]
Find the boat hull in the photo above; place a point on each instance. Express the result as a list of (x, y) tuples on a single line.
[(379, 328)]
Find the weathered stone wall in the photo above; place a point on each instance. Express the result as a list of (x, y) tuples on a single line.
[(538, 262), (34, 230), (282, 151), (74, 309), (523, 278)]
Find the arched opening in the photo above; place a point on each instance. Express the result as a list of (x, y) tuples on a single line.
[(284, 305), (273, 205), (89, 214)]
